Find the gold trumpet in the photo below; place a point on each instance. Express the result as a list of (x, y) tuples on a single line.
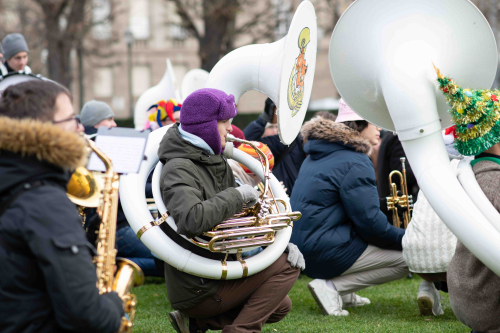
[(254, 226), (84, 190), (404, 200)]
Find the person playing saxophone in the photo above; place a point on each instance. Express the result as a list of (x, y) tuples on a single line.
[(48, 281), (199, 191)]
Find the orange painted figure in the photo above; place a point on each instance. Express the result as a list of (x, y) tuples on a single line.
[(301, 68)]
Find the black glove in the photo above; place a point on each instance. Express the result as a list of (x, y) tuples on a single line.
[(116, 300), (268, 114), (93, 228)]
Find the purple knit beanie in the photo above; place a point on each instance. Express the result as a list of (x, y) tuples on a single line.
[(200, 112)]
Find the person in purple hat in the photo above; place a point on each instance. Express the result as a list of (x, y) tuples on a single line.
[(199, 191)]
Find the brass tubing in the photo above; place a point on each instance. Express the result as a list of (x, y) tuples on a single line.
[(251, 231), (407, 213), (234, 224), (262, 157), (239, 245)]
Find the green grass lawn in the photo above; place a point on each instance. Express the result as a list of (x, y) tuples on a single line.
[(393, 309)]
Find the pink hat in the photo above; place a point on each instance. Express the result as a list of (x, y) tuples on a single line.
[(346, 113)]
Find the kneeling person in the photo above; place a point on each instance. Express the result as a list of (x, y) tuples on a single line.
[(347, 242), (199, 191), (48, 281)]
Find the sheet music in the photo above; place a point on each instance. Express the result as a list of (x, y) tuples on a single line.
[(123, 147)]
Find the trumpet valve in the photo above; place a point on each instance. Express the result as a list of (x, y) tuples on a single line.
[(391, 203)]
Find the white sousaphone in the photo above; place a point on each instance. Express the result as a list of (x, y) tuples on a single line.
[(167, 88), (284, 71), (193, 80), (383, 69)]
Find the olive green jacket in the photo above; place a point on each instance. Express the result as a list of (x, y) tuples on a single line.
[(198, 189)]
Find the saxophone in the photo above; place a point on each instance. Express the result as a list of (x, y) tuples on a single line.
[(128, 274)]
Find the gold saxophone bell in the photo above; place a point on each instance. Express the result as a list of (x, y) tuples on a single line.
[(83, 188), (404, 200), (254, 226)]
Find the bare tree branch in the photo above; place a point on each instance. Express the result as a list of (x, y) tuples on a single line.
[(186, 18)]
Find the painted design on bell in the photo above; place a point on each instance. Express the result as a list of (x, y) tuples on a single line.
[(298, 74)]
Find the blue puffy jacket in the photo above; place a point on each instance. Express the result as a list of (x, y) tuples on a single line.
[(337, 195)]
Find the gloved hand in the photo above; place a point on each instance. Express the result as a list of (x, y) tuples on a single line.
[(268, 114), (295, 258), (93, 228), (249, 194)]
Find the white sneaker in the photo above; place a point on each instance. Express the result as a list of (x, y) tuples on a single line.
[(428, 299), (329, 300), (352, 300)]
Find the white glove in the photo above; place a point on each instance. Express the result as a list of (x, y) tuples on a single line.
[(295, 257), (249, 194)]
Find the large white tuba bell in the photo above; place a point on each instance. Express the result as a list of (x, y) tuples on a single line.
[(273, 69), (193, 80), (283, 70), (383, 70), (167, 88)]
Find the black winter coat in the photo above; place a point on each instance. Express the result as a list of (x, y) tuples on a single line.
[(389, 154), (337, 196), (198, 189), (288, 166), (48, 280)]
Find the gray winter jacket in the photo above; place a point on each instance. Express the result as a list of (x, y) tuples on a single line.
[(474, 289)]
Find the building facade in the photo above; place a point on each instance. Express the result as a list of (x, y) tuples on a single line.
[(158, 35)]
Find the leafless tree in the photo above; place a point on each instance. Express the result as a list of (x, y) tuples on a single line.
[(54, 28), (67, 22), (217, 23), (23, 16)]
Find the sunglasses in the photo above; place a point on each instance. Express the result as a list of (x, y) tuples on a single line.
[(75, 118)]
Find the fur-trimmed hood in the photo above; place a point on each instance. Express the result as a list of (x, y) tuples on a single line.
[(43, 141), (320, 128)]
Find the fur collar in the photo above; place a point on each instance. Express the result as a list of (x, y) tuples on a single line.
[(46, 142), (320, 128)]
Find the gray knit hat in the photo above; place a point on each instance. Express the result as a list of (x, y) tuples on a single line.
[(13, 44), (1, 48), (94, 112)]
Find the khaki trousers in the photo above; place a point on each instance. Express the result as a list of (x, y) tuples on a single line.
[(375, 266), (244, 305)]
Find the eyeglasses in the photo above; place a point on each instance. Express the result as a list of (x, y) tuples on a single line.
[(76, 118)]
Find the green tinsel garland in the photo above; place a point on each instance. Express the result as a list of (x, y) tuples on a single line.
[(480, 144), (476, 114)]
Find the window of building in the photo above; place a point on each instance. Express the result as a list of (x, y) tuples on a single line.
[(101, 28), (284, 17), (141, 79), (139, 18), (103, 82)]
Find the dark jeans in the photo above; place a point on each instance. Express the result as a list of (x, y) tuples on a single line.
[(130, 247), (244, 305)]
